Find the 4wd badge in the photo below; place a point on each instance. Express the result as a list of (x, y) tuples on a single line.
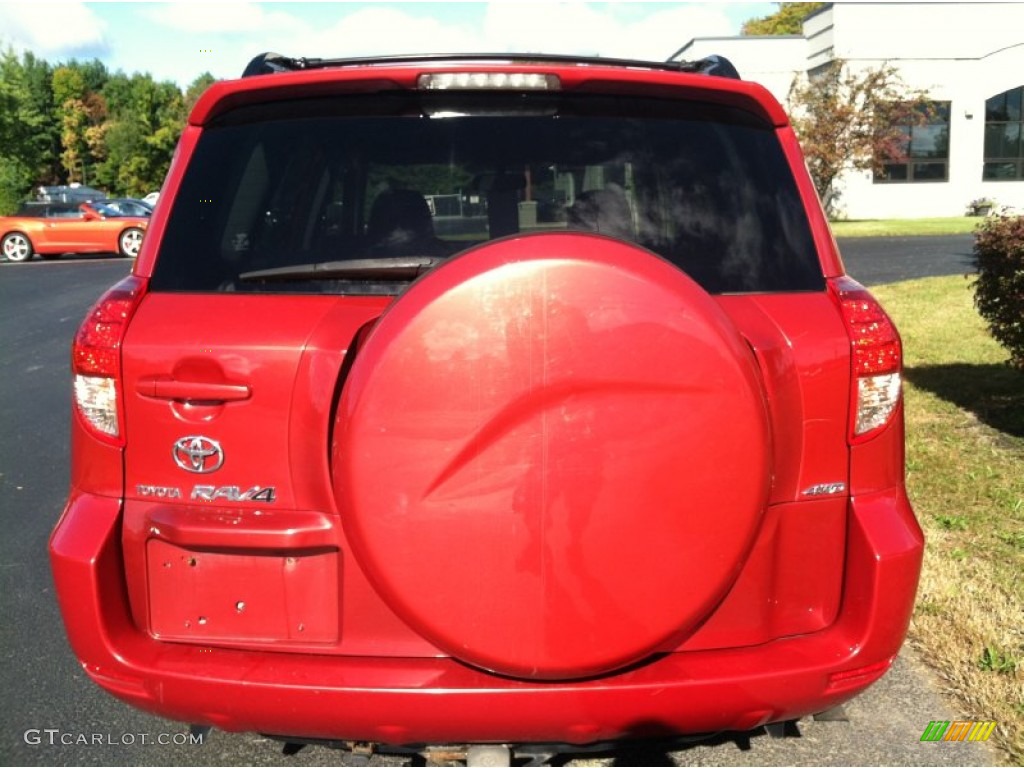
[(196, 453)]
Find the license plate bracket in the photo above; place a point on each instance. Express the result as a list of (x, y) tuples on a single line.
[(242, 596)]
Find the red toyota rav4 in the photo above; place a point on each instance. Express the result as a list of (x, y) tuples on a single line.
[(487, 400)]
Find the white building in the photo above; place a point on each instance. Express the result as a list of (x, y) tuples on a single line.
[(969, 57)]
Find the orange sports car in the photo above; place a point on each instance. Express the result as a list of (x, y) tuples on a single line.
[(51, 229)]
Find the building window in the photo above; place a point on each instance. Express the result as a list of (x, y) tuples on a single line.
[(1004, 147), (922, 154)]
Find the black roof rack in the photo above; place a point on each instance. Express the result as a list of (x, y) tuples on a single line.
[(270, 63)]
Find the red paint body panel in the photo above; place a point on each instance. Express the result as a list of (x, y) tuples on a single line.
[(227, 95), (805, 364), (878, 464), (259, 341), (790, 583), (386, 699), (98, 467)]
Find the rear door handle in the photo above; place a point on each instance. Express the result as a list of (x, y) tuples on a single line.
[(194, 391)]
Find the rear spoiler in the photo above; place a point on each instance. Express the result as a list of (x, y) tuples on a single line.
[(271, 63)]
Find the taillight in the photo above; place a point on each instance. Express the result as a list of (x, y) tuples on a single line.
[(877, 357), (96, 358), (475, 81)]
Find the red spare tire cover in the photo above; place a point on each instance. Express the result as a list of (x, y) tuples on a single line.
[(551, 455)]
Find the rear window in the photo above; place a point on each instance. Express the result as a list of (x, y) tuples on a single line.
[(409, 175)]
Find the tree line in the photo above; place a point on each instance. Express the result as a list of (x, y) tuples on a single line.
[(79, 122)]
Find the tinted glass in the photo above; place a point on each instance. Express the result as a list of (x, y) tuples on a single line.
[(49, 210), (929, 171), (930, 141), (1001, 171), (995, 108), (1002, 140), (894, 172), (1013, 104), (707, 188)]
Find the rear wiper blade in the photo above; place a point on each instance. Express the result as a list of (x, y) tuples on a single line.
[(396, 268)]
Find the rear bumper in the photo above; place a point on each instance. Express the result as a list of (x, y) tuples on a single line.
[(438, 700)]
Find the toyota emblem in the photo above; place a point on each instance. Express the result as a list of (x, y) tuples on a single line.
[(198, 454)]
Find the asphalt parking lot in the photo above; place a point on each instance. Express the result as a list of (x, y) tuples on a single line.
[(878, 260)]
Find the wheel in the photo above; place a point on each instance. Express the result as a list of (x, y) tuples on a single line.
[(129, 242), (16, 247), (590, 494)]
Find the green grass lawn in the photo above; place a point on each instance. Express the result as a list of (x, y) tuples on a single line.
[(965, 475), (953, 225)]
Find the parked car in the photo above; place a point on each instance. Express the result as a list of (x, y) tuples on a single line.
[(69, 193), (628, 463), (51, 229), (151, 198), (123, 206)]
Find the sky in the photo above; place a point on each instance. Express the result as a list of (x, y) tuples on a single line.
[(178, 41)]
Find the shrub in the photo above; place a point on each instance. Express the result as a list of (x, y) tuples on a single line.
[(999, 287)]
